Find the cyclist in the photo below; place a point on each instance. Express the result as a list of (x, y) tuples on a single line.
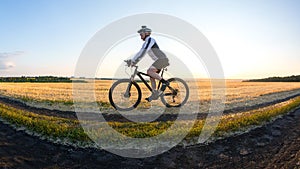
[(160, 61)]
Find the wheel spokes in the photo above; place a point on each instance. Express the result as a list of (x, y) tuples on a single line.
[(176, 93)]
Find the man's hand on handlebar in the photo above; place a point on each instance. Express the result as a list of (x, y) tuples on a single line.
[(129, 63)]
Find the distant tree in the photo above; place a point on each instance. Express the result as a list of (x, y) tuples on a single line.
[(37, 79), (292, 78)]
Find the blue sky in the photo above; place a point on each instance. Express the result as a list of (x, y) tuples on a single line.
[(253, 39)]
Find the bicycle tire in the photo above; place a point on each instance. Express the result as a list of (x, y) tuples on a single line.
[(117, 103), (168, 93)]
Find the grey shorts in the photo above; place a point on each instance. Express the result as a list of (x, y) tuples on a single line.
[(161, 63)]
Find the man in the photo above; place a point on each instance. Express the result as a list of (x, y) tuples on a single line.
[(160, 61)]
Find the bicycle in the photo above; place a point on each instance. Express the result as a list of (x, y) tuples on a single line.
[(126, 95)]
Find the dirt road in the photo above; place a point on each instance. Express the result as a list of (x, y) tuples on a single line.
[(276, 145)]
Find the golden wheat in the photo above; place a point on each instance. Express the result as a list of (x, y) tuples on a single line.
[(236, 91)]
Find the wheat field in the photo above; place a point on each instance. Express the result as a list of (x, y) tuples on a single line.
[(238, 93), (63, 91)]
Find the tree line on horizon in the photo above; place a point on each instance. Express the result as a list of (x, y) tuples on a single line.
[(292, 78), (40, 79)]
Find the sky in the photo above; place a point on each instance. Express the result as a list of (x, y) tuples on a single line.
[(253, 39)]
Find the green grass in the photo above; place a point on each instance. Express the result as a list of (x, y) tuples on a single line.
[(70, 129), (241, 121), (255, 117), (46, 125)]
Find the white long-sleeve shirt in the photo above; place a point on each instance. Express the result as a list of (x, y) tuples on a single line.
[(151, 48)]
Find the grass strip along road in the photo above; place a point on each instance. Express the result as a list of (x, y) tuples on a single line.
[(70, 131)]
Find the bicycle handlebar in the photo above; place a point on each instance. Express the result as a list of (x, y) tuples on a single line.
[(129, 63)]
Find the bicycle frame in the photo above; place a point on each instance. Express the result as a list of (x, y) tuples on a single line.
[(140, 75)]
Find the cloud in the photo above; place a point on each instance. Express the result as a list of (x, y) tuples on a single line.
[(6, 59), (6, 55), (6, 65)]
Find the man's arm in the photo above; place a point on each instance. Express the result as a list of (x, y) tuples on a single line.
[(146, 46)]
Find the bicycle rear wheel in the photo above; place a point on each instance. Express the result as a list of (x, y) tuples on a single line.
[(125, 95), (176, 94)]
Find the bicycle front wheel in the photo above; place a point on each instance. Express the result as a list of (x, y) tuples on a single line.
[(125, 95), (176, 94)]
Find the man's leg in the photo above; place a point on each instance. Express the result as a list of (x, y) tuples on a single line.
[(153, 83), (159, 64), (152, 72)]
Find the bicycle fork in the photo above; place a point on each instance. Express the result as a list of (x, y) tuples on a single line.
[(127, 93)]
